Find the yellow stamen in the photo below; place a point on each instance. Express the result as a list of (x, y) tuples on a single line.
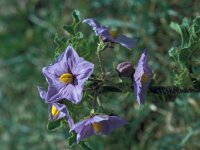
[(145, 78), (66, 78), (54, 111), (114, 33), (97, 127)]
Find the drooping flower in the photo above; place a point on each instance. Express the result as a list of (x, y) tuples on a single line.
[(142, 77), (97, 124), (56, 110), (66, 76), (111, 36), (125, 69)]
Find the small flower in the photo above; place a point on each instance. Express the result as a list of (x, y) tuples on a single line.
[(110, 36), (56, 110), (142, 77), (97, 124), (125, 69), (66, 76)]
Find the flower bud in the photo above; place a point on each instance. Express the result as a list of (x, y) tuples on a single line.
[(125, 69)]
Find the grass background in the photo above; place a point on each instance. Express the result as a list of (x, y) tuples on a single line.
[(27, 29)]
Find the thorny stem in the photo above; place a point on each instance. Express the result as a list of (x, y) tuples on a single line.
[(101, 47), (171, 90), (168, 90)]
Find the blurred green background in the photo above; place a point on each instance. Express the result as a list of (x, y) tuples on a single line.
[(27, 29)]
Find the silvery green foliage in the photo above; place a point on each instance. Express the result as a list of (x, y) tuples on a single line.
[(183, 53)]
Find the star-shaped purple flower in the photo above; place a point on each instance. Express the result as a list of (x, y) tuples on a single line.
[(66, 76), (56, 110), (97, 124), (142, 77), (110, 36)]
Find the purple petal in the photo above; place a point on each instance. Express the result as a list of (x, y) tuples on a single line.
[(55, 70), (72, 58), (78, 126), (86, 131), (113, 123), (99, 118), (71, 92), (83, 71), (54, 94), (42, 92), (126, 41), (92, 22), (142, 69), (102, 31)]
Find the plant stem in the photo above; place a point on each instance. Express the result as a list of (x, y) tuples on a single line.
[(101, 47), (171, 90)]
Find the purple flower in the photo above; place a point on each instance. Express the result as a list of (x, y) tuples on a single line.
[(142, 77), (97, 124), (66, 76), (56, 110), (110, 36)]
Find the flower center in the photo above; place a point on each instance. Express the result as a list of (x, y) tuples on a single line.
[(54, 111), (145, 78), (97, 127), (66, 78), (114, 33)]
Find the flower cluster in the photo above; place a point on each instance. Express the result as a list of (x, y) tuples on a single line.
[(66, 78)]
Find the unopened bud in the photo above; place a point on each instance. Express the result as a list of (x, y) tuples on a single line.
[(125, 69)]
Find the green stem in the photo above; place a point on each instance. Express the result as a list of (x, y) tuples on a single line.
[(101, 47)]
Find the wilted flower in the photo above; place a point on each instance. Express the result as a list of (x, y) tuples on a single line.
[(66, 76), (97, 124), (56, 110), (110, 36), (142, 77), (125, 69)]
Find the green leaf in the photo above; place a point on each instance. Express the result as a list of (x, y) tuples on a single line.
[(72, 140), (196, 27), (176, 27), (85, 146), (79, 35), (183, 30), (53, 125), (76, 16), (183, 79), (69, 29)]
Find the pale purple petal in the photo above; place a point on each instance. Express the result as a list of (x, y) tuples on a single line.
[(86, 131), (104, 32), (42, 92), (113, 123), (72, 59), (92, 22), (53, 72), (83, 71), (99, 118), (54, 94), (126, 41), (143, 68)]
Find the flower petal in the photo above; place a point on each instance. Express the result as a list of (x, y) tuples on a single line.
[(126, 41), (42, 92), (142, 70), (83, 71), (86, 131)]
